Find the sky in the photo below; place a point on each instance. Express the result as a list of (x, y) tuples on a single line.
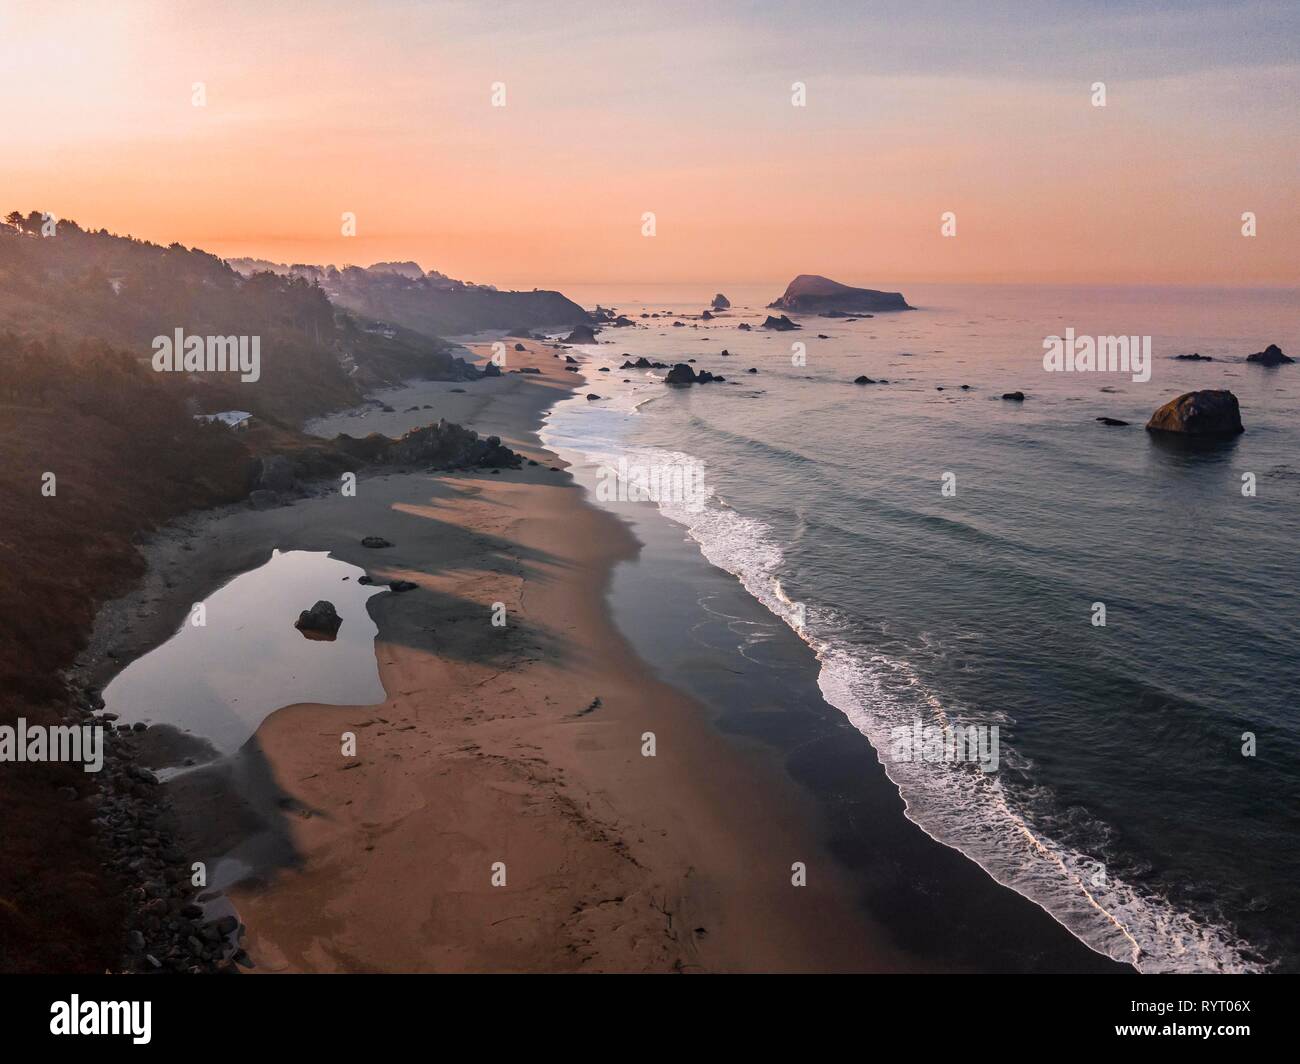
[(385, 110)]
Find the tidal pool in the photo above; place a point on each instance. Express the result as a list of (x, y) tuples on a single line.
[(220, 679)]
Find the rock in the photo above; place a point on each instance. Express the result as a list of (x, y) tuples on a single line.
[(404, 585), (261, 499), (322, 618), (135, 941), (1015, 397), (591, 396), (375, 542), (276, 473), (751, 370), (744, 326), (810, 293), (1112, 421), (582, 334), (603, 369), (780, 324), (863, 380), (706, 316), (520, 347), (1270, 356), (1205, 414), (367, 580), (529, 369), (491, 370), (1193, 357), (721, 302), (680, 374), (226, 926)]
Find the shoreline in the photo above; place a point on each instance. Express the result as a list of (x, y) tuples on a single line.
[(675, 862)]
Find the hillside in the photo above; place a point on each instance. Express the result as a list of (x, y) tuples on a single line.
[(84, 285), (431, 303)]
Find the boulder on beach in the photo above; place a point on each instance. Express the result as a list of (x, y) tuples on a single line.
[(810, 293), (520, 347), (321, 621), (780, 324), (1271, 356), (721, 302), (491, 370), (744, 326), (582, 334), (1206, 413)]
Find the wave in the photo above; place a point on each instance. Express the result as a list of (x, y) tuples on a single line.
[(956, 804)]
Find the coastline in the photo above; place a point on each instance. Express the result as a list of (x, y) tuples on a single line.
[(383, 862)]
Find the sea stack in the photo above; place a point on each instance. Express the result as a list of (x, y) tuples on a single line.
[(721, 302), (1207, 414), (810, 293), (1271, 356)]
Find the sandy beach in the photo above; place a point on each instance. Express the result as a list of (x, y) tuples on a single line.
[(516, 746)]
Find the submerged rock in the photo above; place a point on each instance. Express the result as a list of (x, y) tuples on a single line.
[(321, 620), (1205, 413), (1112, 421)]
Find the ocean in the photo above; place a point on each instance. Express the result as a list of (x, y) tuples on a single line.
[(894, 557)]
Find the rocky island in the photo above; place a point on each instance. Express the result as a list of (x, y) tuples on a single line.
[(810, 293)]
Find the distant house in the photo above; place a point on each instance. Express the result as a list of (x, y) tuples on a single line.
[(233, 419)]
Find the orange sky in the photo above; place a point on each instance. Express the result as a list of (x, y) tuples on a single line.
[(384, 110)]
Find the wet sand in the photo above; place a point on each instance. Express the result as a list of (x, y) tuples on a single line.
[(510, 751)]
